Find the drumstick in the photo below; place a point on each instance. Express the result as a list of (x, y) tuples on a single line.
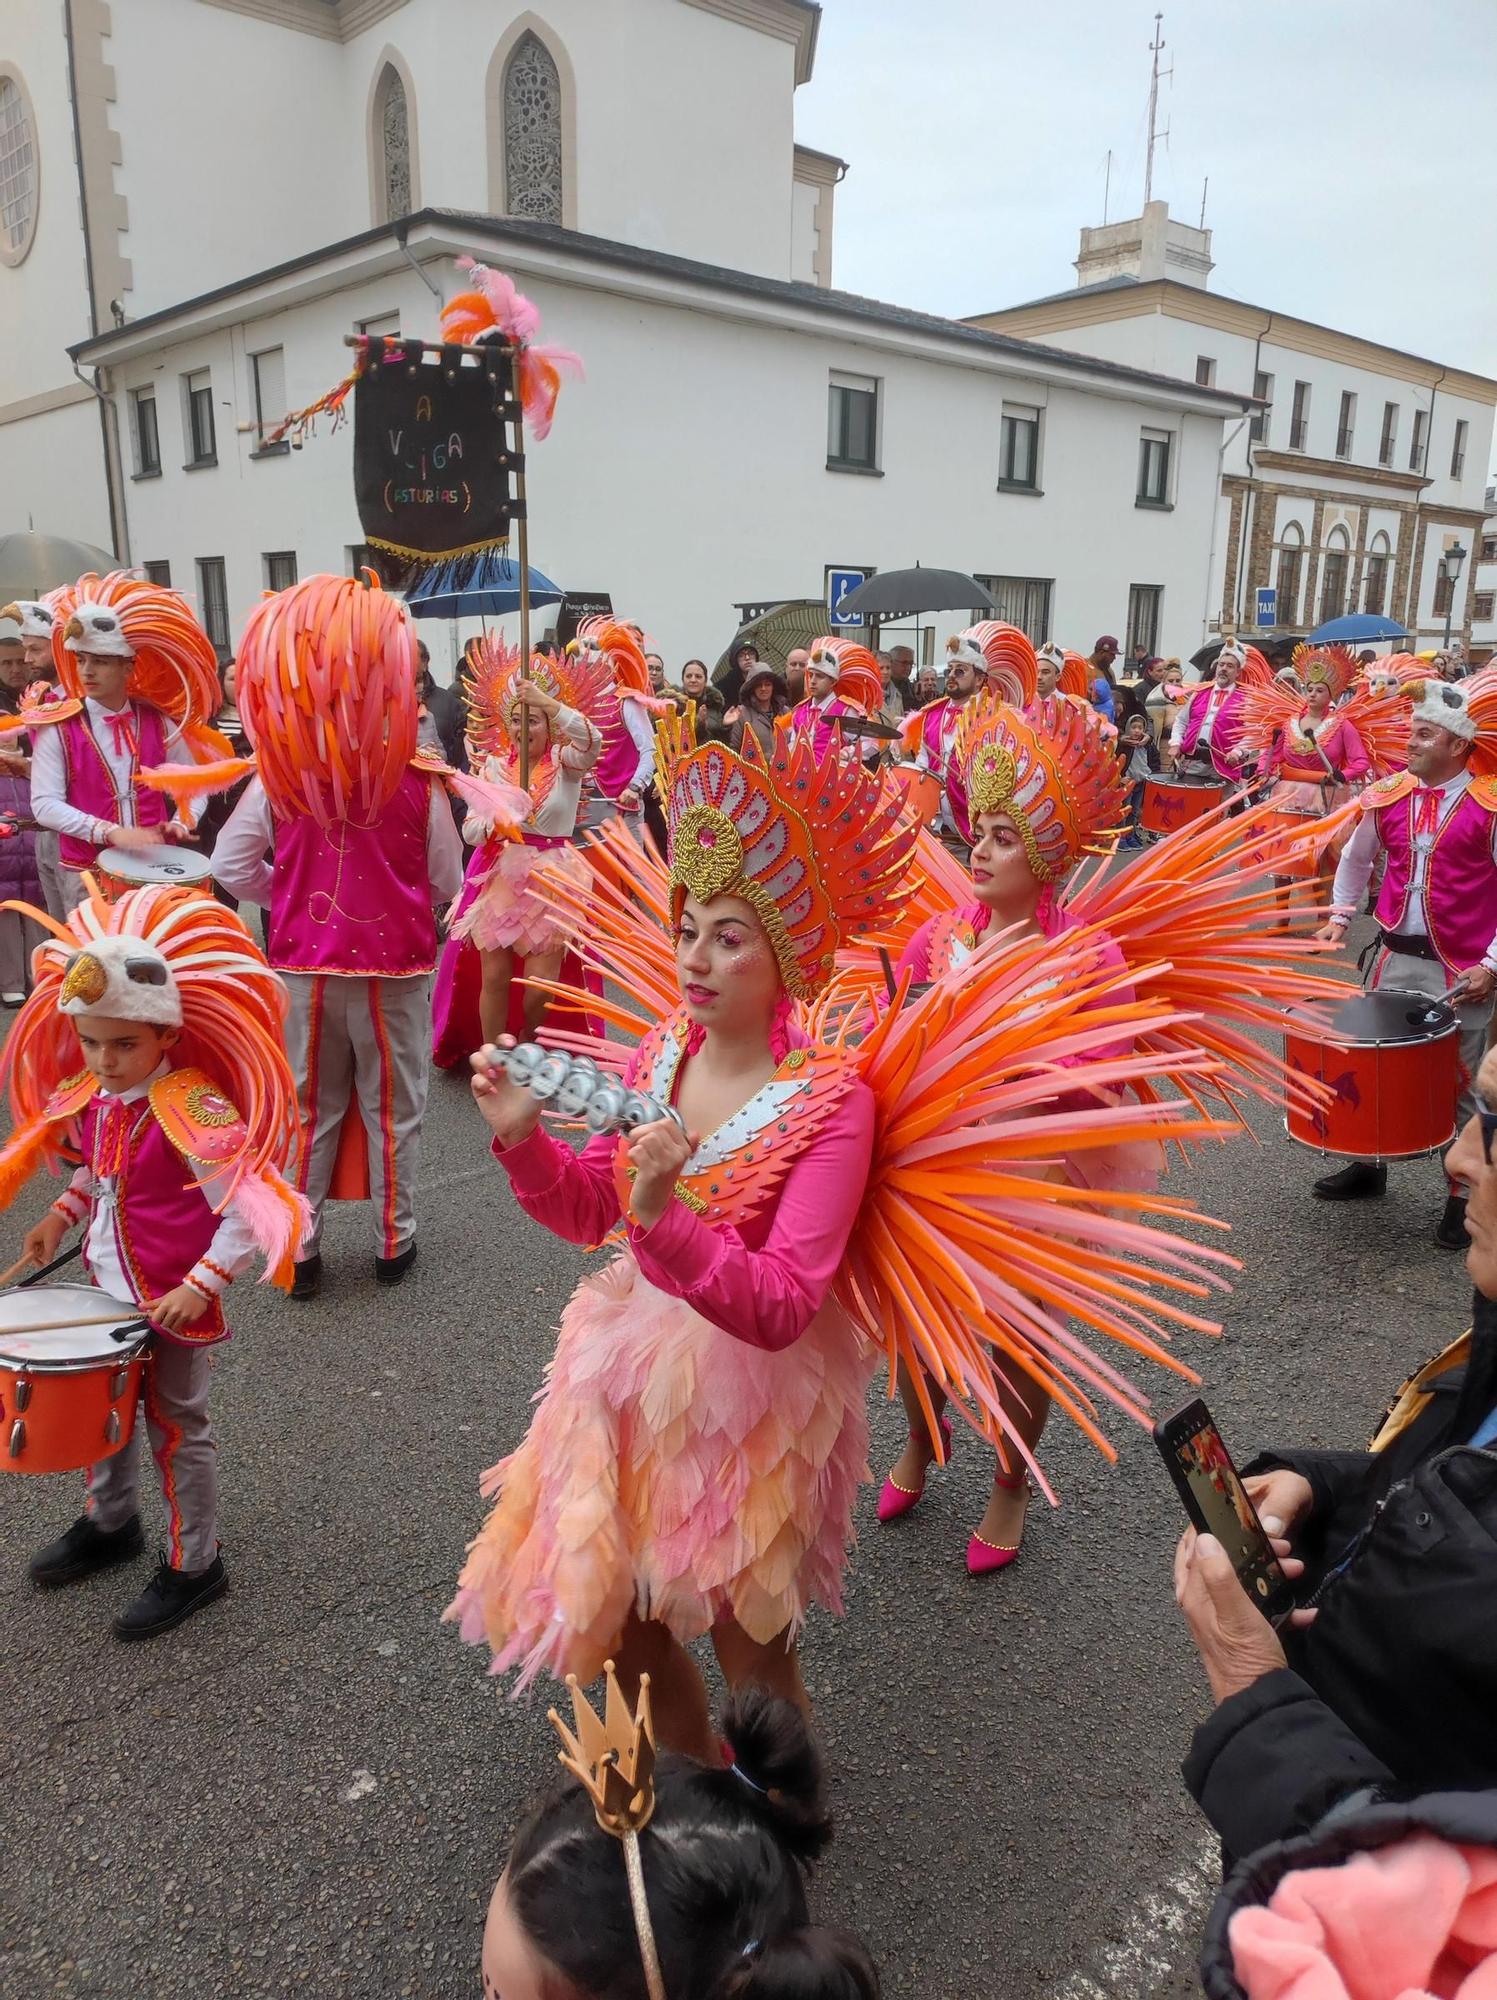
[(85, 1319), (15, 1269)]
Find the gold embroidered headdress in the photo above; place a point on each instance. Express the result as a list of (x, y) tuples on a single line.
[(1054, 770)]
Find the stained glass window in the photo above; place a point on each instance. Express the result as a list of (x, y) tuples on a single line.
[(532, 132)]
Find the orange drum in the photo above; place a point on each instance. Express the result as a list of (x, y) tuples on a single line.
[(119, 868), (922, 790), (1392, 1061), (1278, 847), (68, 1387), (1170, 803)]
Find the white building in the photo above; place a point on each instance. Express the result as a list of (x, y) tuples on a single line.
[(258, 178), (1345, 489), (1484, 585)]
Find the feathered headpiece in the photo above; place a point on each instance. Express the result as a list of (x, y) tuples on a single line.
[(1335, 667), (1004, 654), (494, 305), (192, 962), (31, 616), (582, 679), (607, 639), (818, 850), (1072, 670), (1053, 770), (853, 668)]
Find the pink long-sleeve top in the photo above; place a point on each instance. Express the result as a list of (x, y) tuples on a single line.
[(1343, 748), (764, 1280)]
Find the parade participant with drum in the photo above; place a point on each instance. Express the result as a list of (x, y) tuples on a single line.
[(841, 679), (139, 681), (176, 1021), (1207, 735), (989, 656), (1437, 912)]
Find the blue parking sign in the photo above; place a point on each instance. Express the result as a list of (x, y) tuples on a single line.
[(839, 584), (1268, 607)]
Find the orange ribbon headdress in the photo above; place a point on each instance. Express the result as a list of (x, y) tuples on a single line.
[(853, 668), (1054, 771), (1335, 667), (1001, 652), (609, 640), (494, 305), (233, 1008), (818, 850), (1073, 671)]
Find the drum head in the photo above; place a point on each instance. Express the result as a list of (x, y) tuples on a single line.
[(63, 1346), (162, 866), (1390, 1015)]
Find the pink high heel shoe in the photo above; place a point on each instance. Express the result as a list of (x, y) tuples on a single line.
[(983, 1557), (894, 1499)]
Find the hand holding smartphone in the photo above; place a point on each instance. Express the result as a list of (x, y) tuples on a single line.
[(1217, 1502)]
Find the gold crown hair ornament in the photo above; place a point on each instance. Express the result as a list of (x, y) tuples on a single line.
[(613, 1759)]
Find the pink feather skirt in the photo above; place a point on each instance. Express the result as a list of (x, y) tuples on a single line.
[(507, 914), (672, 1470)]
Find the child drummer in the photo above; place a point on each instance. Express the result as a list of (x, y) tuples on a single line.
[(150, 1021)]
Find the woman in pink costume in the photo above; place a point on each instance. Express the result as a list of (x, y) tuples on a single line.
[(1046, 789), (558, 705)]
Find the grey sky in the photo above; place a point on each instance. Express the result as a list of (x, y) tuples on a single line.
[(1350, 147)]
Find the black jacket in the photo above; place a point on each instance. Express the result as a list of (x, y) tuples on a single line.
[(1466, 1819), (1395, 1684), (446, 711)]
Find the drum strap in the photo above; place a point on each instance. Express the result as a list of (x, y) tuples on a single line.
[(55, 1265)]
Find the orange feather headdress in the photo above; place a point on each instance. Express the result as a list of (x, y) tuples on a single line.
[(582, 679), (1053, 770), (1073, 671), (820, 850), (1003, 653), (495, 306), (606, 638), (853, 668), (1335, 667), (233, 1015)]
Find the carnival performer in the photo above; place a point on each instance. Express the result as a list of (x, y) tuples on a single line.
[(1060, 672), (842, 679), (1046, 789), (623, 774), (364, 846), (559, 705), (693, 1460), (177, 1022), (987, 655), (20, 875), (1207, 732), (139, 689), (35, 619), (1436, 823)]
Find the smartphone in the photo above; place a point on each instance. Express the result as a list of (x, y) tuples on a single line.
[(1217, 1502)]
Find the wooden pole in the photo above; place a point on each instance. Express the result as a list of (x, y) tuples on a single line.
[(524, 541)]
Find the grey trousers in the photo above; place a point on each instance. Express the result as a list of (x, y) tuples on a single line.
[(50, 869), (70, 888), (19, 938), (1427, 975), (370, 1039), (176, 1411)]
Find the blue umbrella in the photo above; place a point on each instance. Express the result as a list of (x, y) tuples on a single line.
[(485, 587), (1358, 626)]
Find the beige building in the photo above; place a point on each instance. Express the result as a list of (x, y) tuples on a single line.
[(1361, 472)]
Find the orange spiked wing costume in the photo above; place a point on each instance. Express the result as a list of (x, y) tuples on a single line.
[(233, 1014), (583, 680)]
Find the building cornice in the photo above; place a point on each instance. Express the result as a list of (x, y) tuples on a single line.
[(328, 20), (796, 21), (542, 250), (1203, 308), (815, 169), (1342, 469)]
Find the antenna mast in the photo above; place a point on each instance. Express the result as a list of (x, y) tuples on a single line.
[(1154, 75), (1204, 185), (1106, 186)]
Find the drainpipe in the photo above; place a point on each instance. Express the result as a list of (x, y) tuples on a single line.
[(108, 417), (1411, 614), (1221, 459), (114, 467), (405, 250)]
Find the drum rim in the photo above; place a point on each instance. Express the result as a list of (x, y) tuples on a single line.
[(117, 853), (76, 1364), (1379, 1041), (122, 1356), (1373, 1159)]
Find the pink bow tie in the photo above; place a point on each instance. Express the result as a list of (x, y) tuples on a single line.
[(123, 727)]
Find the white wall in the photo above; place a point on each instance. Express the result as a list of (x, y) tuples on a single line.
[(688, 473)]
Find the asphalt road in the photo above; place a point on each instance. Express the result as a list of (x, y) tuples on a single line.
[(309, 1788)]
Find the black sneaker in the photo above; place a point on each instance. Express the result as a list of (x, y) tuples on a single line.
[(84, 1549), (307, 1282), (169, 1597), (1450, 1230), (390, 1270), (1361, 1181)]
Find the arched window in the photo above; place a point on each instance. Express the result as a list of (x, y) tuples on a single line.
[(1289, 572), (1333, 567), (1375, 580), (392, 146), (530, 107), (18, 168)]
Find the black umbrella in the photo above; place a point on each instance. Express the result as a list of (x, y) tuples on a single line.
[(903, 593)]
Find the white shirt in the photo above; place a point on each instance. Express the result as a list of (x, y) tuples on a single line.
[(240, 866), (49, 775), (641, 727), (557, 814), (1354, 870), (1208, 721), (233, 1242)]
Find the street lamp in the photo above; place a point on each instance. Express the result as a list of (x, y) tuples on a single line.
[(1452, 562)]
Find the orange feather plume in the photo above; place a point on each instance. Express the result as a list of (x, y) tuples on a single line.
[(175, 667)]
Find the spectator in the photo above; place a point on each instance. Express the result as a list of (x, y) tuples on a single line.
[(658, 683), (927, 686), (901, 687), (445, 709), (725, 1858), (1162, 702), (764, 701), (19, 875), (1139, 756), (1100, 676), (549, 648), (1138, 663), (1388, 1676), (1132, 696), (797, 665), (695, 686)]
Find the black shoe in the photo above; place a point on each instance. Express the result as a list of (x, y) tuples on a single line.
[(307, 1282), (1361, 1181), (1450, 1230), (84, 1549), (390, 1270), (169, 1597)]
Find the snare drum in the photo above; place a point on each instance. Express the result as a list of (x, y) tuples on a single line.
[(1170, 803), (1278, 846), (922, 791), (67, 1392), (1392, 1062), (119, 869)]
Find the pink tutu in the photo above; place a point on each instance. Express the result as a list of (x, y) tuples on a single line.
[(672, 1469), (507, 914)]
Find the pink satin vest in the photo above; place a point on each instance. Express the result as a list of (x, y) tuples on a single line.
[(933, 719), (356, 901), (90, 787), (162, 1218), (619, 759), (1225, 730), (806, 715), (1460, 890)]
